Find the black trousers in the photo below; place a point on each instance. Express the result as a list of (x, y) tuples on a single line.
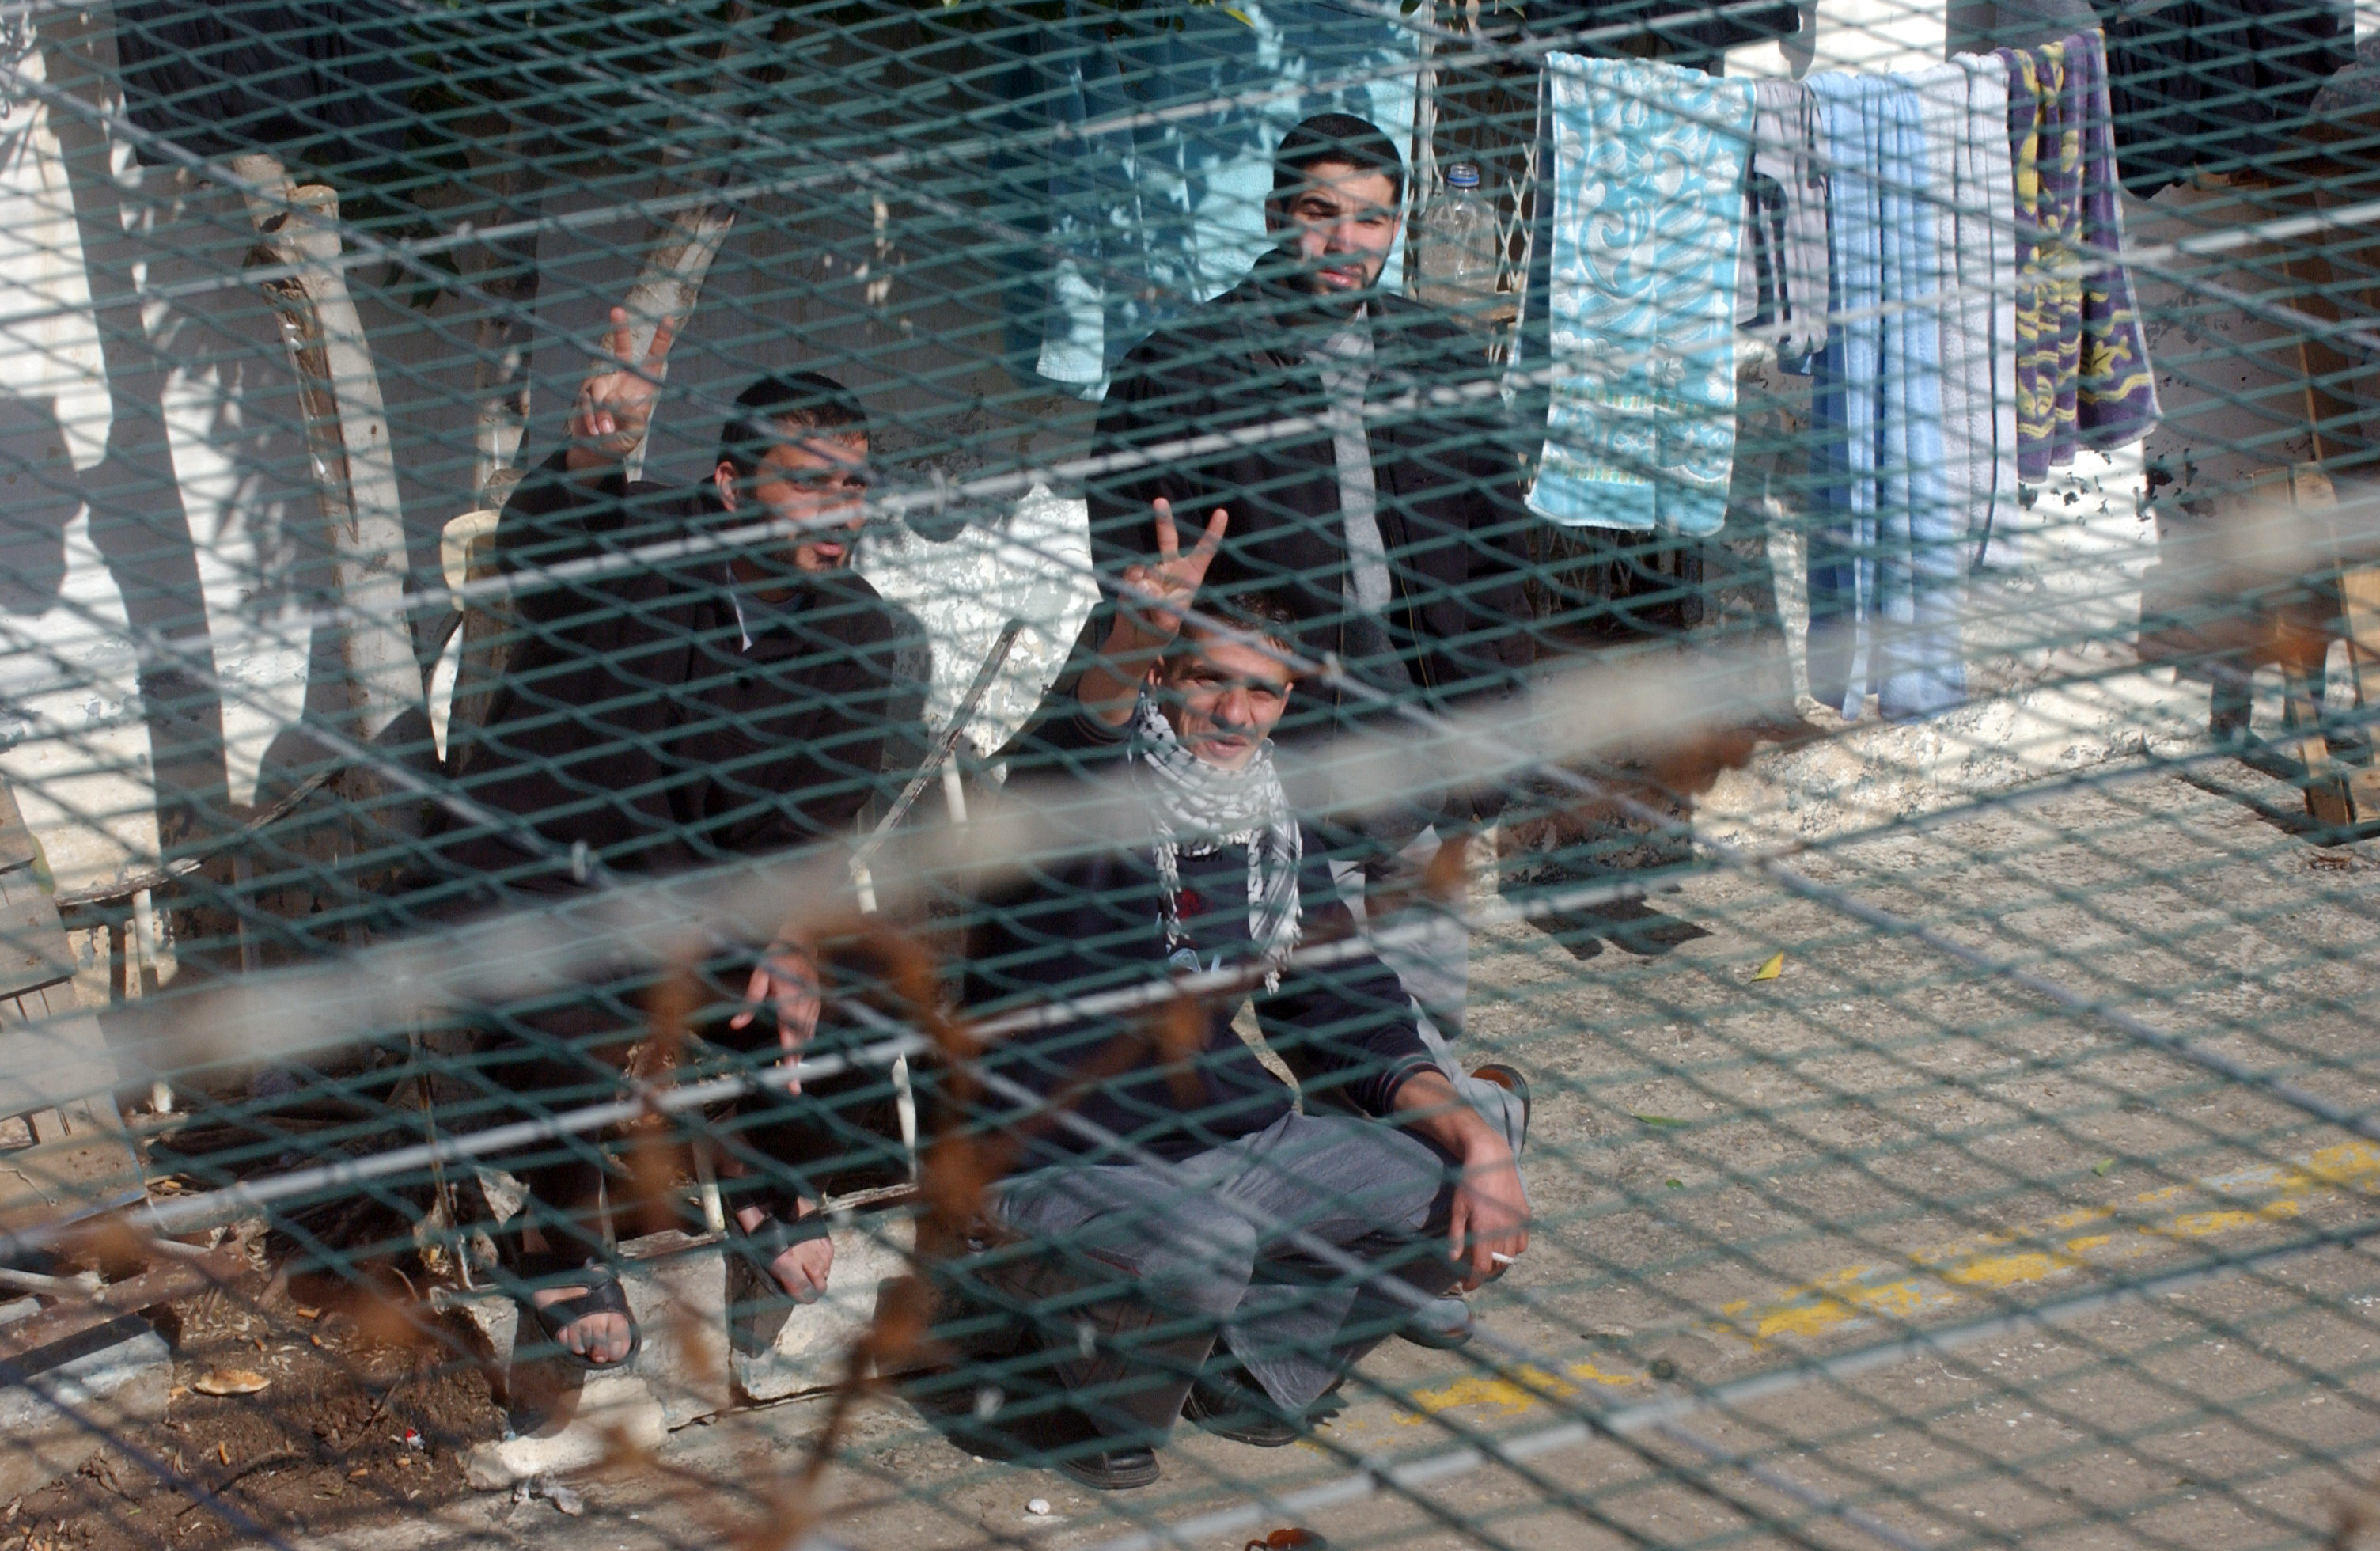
[(571, 1049)]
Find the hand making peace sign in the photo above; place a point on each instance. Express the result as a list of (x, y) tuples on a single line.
[(1155, 596), (615, 402)]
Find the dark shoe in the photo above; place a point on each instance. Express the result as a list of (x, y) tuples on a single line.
[(1442, 1326), (1509, 1079), (1227, 1407), (1113, 1470), (1230, 1410)]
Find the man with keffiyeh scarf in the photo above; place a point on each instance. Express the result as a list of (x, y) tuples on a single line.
[(1166, 1286)]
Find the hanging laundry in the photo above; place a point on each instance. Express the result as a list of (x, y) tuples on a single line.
[(306, 81), (1965, 107), (1981, 26), (1648, 220), (1781, 273), (2115, 398), (2084, 376), (2218, 83), (1152, 189), (1886, 569)]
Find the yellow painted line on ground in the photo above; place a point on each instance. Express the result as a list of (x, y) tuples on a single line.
[(1510, 1396), (1931, 1278)]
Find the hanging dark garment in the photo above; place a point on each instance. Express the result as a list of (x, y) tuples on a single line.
[(325, 82), (1980, 26), (1679, 32), (2225, 84)]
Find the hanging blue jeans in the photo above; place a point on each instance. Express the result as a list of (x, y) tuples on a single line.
[(1886, 577)]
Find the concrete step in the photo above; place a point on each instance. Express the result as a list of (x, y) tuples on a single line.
[(693, 1362), (59, 1402)]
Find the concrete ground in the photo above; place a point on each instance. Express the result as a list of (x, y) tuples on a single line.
[(1734, 1177)]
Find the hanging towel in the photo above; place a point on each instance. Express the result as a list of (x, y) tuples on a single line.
[(1965, 106), (2115, 398), (2047, 166), (2068, 396), (1781, 272), (1648, 218), (1990, 262), (1886, 572)]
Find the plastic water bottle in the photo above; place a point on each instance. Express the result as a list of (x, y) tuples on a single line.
[(1456, 250)]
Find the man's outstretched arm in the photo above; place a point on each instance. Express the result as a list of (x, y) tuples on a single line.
[(1492, 1210)]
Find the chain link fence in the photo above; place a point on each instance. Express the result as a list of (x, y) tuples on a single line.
[(1161, 774)]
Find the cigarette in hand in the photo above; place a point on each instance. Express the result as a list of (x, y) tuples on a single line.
[(1499, 1259)]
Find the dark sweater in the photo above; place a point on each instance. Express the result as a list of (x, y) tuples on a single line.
[(661, 714), (1091, 921), (1450, 513)]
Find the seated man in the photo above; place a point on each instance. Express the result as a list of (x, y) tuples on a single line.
[(656, 718), (1146, 1251)]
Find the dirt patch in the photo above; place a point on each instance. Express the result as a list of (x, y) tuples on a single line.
[(365, 1417)]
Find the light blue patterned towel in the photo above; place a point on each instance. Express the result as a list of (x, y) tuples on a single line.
[(1647, 216)]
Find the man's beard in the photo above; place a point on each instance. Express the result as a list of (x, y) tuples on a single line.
[(1308, 282)]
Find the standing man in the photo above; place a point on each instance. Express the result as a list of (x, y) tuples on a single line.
[(1388, 519), (661, 718)]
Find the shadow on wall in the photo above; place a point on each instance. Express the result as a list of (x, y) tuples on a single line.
[(39, 496)]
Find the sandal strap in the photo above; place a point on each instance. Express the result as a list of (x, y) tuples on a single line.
[(775, 1235), (603, 1295)]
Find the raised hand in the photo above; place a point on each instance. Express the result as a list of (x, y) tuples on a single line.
[(1155, 598), (615, 402), (786, 981)]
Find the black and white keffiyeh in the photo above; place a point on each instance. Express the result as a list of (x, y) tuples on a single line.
[(1200, 808)]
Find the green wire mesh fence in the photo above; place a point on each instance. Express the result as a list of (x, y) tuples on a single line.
[(667, 877)]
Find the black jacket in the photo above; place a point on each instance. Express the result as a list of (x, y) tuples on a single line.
[(1450, 509), (644, 715), (1090, 922)]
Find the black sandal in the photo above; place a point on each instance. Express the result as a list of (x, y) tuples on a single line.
[(603, 1295), (772, 1238)]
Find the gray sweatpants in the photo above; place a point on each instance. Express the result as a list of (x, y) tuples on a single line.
[(1368, 1188)]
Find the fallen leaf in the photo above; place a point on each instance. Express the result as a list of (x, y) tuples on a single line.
[(1772, 969), (2102, 1167), (1675, 1184), (1656, 1119), (229, 1381)]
